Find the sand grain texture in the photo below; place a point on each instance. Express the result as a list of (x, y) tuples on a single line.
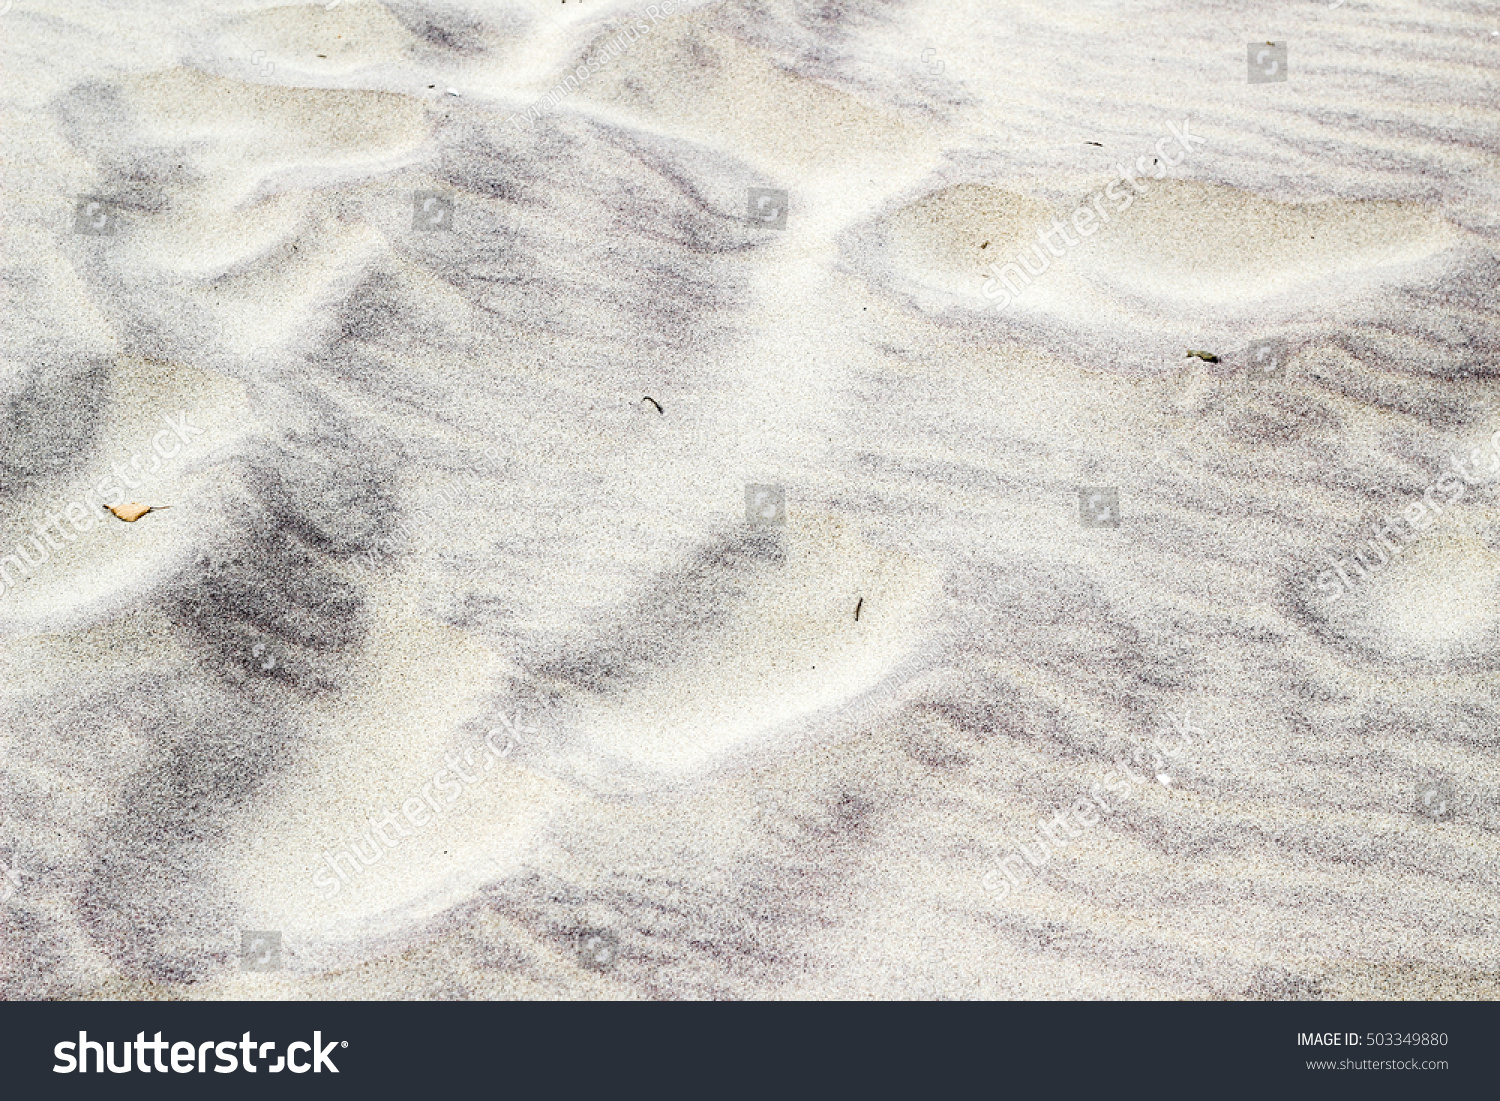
[(427, 537)]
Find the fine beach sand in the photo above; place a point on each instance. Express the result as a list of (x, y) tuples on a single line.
[(430, 545)]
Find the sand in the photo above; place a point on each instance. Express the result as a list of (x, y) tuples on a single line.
[(373, 298)]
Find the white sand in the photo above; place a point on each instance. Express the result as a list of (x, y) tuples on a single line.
[(427, 493)]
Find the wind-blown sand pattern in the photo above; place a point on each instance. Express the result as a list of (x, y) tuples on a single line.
[(429, 545)]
